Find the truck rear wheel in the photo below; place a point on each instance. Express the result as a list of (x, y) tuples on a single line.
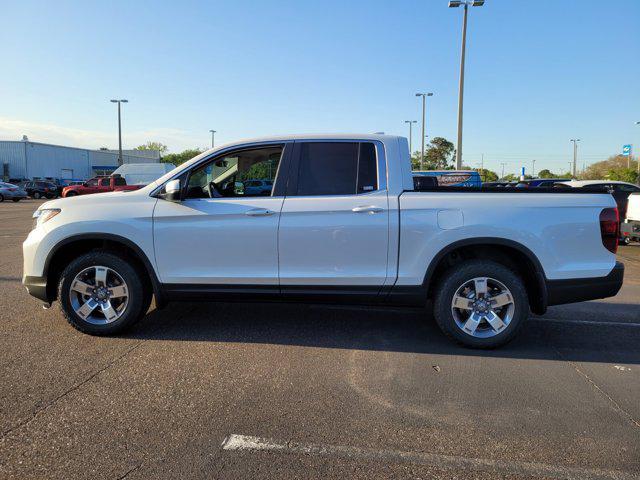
[(102, 294), (481, 304)]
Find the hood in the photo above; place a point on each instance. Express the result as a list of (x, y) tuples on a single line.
[(94, 199)]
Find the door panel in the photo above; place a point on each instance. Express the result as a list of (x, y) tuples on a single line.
[(218, 240), (334, 240)]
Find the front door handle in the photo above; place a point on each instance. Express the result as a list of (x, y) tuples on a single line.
[(367, 209), (259, 212)]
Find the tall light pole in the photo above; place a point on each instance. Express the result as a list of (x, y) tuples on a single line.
[(637, 163), (119, 129), (454, 4), (502, 176), (575, 154), (410, 122), (213, 138), (424, 108), (533, 168)]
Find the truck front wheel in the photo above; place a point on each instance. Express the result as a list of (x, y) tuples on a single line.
[(101, 293), (480, 303)]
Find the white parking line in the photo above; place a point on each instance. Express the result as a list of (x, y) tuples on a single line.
[(586, 322), (247, 443)]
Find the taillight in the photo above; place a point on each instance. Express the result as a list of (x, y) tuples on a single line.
[(609, 226)]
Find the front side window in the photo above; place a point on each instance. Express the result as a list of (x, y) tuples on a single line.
[(92, 183), (246, 173), (337, 168), (104, 182)]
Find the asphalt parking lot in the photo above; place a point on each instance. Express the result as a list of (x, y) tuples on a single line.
[(298, 391)]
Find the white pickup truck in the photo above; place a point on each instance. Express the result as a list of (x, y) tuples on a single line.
[(343, 222)]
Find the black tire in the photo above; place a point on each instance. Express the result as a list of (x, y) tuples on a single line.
[(455, 277), (15, 199), (36, 195), (138, 296), (1, 198)]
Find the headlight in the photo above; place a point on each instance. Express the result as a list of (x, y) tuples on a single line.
[(44, 215)]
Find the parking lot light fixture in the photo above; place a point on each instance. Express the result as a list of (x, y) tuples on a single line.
[(120, 160), (410, 122), (453, 4), (575, 155), (213, 139), (424, 107)]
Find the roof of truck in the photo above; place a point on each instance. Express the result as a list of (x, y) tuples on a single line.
[(584, 183)]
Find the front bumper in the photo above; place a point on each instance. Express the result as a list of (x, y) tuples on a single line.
[(37, 287), (581, 289)]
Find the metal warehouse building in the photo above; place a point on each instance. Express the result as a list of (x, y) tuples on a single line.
[(32, 160)]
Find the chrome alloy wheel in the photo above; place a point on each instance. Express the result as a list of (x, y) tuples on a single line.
[(482, 307), (99, 295)]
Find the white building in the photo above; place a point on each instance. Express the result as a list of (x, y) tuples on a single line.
[(29, 160)]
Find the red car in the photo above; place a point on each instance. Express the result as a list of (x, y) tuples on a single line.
[(111, 183)]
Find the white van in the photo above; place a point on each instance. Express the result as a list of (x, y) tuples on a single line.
[(143, 173), (630, 228)]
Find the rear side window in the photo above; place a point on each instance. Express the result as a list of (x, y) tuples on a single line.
[(119, 181), (338, 168)]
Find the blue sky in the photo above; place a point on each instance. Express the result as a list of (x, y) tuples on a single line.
[(538, 73)]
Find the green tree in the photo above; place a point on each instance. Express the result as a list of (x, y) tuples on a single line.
[(623, 174), (615, 165), (487, 175), (160, 147), (510, 177), (439, 155), (179, 158), (545, 173)]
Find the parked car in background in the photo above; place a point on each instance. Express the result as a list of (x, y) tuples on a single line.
[(9, 191), (619, 190), (112, 183), (258, 187), (630, 227), (41, 189), (453, 178)]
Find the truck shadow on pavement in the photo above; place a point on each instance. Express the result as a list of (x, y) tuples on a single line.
[(412, 331)]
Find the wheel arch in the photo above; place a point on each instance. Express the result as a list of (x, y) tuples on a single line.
[(75, 245), (508, 252)]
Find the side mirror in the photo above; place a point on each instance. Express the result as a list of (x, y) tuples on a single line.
[(171, 191)]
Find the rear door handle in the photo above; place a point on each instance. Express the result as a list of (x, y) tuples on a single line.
[(259, 212), (367, 209)]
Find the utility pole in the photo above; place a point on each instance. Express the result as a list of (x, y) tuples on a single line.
[(213, 140), (120, 160), (533, 168), (453, 4), (424, 108), (638, 163), (410, 122), (502, 175), (575, 155)]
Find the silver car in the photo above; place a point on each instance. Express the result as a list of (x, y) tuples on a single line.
[(10, 191)]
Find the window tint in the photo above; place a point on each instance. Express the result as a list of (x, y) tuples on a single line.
[(119, 181), (92, 183), (240, 174), (338, 168), (621, 187), (104, 182), (367, 168)]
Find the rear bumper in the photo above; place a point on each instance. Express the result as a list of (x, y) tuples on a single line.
[(582, 289)]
